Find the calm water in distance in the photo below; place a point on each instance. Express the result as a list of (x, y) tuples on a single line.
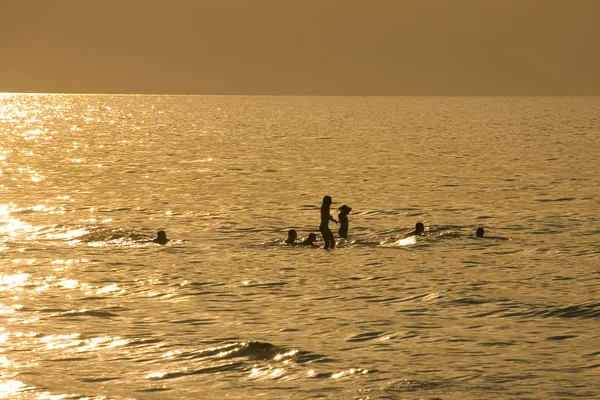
[(90, 308)]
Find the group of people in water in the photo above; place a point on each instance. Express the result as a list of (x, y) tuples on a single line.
[(328, 239)]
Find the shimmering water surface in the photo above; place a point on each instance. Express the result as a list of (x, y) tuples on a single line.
[(89, 307)]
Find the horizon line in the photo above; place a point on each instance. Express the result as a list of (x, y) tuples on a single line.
[(287, 95)]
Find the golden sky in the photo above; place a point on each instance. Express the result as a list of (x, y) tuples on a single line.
[(320, 47)]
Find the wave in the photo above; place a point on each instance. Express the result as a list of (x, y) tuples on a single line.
[(97, 313), (106, 235), (513, 309), (248, 350), (254, 360), (577, 311), (71, 235)]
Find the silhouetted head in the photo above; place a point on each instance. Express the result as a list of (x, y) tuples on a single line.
[(161, 237), (345, 209), (480, 231), (419, 228), (310, 239), (327, 200), (292, 235)]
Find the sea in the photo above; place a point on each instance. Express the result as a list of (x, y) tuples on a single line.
[(92, 308)]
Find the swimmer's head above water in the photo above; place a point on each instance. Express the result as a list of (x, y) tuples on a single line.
[(310, 240), (480, 231), (419, 228), (292, 235), (161, 237)]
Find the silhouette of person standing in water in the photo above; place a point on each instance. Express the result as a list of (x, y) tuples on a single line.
[(161, 238), (343, 218), (324, 227)]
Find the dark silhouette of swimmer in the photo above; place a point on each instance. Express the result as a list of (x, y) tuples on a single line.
[(310, 240), (324, 227), (291, 239), (343, 218), (161, 237), (480, 232), (419, 230)]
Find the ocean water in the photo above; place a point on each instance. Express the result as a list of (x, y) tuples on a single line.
[(91, 308)]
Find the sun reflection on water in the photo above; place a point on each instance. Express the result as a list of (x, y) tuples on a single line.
[(69, 283), (68, 235), (12, 226), (351, 371), (10, 282), (406, 241), (11, 387), (54, 342), (288, 354), (156, 375), (110, 289), (4, 362)]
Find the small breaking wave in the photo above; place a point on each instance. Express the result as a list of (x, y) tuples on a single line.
[(511, 309), (252, 360), (577, 311)]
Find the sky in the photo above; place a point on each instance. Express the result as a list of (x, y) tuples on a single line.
[(301, 47)]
